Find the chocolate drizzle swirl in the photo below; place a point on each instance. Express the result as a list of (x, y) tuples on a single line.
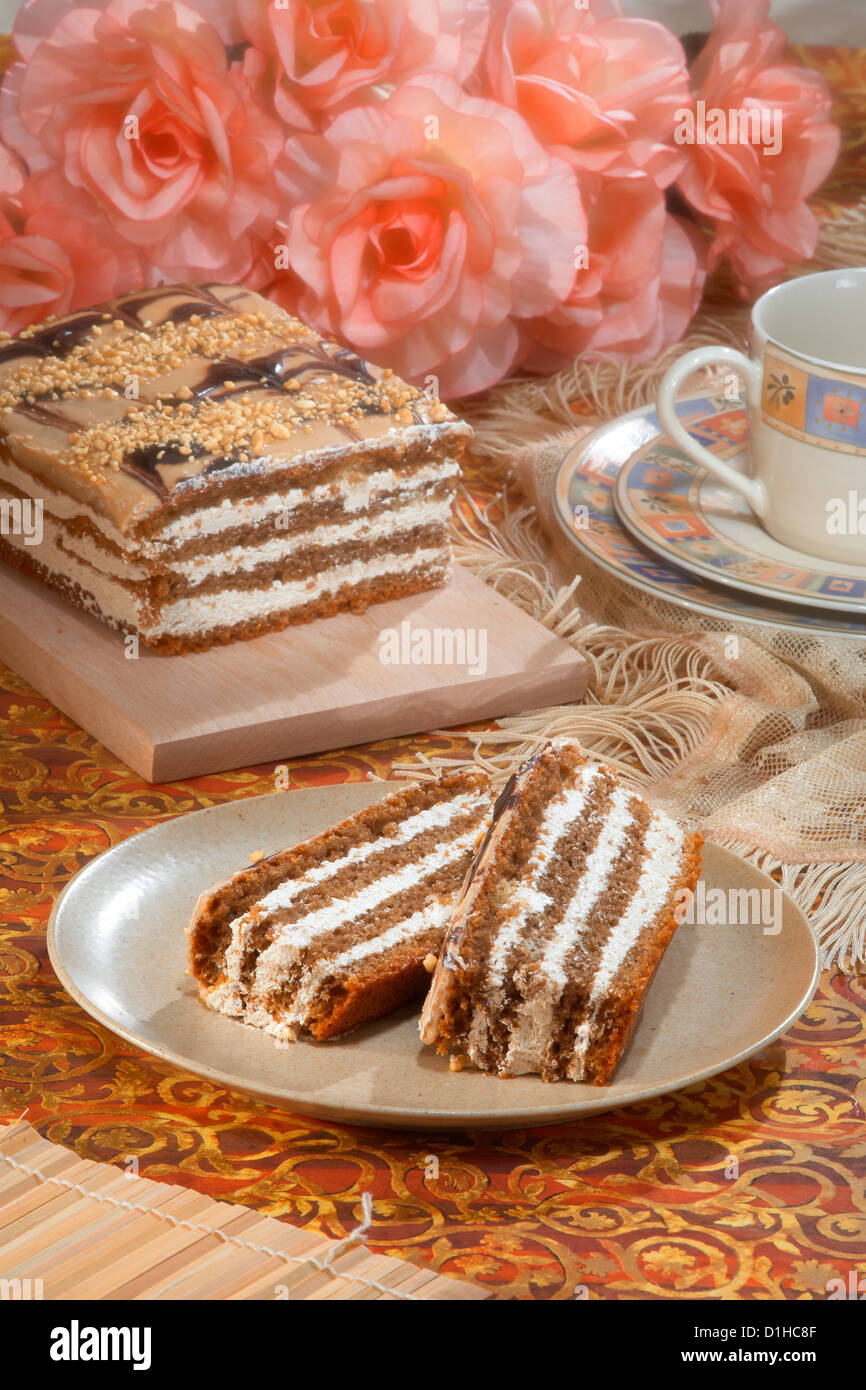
[(145, 462), (274, 370), (54, 340), (41, 415), (301, 357), (231, 376), (59, 339)]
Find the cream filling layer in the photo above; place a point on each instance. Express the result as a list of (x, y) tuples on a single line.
[(433, 916), (221, 516), (283, 954), (211, 519), (532, 1030), (356, 497), (663, 847), (199, 614), (402, 439), (195, 614), (279, 547), (228, 996), (589, 887), (434, 817), (101, 594), (558, 817)]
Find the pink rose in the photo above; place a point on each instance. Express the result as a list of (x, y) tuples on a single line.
[(58, 260), (12, 176), (640, 288), (606, 87), (136, 106), (430, 225), (36, 19), (604, 93), (754, 197), (307, 58)]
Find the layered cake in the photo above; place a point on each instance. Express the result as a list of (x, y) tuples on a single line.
[(565, 915), (335, 932), (207, 468)]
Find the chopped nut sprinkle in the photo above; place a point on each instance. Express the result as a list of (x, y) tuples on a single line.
[(110, 361), (243, 418)]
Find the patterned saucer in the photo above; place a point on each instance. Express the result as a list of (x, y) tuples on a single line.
[(674, 508), (585, 509)]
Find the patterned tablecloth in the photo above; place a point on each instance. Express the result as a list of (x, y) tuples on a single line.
[(751, 1185)]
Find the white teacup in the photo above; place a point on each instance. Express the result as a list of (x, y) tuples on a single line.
[(806, 388)]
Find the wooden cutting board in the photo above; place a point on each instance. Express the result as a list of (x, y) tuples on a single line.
[(324, 685)]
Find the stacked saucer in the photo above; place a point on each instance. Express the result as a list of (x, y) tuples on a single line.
[(638, 506)]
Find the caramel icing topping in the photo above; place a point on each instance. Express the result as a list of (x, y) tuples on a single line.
[(132, 404)]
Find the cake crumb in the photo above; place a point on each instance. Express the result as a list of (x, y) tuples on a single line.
[(257, 856), (457, 1062), (430, 962)]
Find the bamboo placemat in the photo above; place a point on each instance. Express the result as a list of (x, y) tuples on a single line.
[(71, 1228)]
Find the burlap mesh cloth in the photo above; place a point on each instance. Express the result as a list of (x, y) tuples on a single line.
[(759, 742)]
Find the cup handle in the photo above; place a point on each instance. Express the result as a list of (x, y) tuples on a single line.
[(750, 488)]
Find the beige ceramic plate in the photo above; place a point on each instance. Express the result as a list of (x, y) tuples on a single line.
[(116, 940)]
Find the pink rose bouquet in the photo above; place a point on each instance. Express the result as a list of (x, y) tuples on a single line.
[(428, 229), (750, 187), (454, 188)]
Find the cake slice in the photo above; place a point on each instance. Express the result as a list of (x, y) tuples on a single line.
[(565, 915), (335, 931), (192, 465)]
